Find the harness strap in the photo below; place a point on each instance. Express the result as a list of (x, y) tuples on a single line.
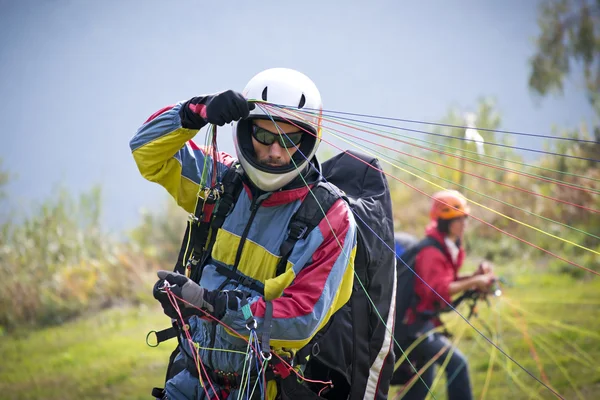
[(244, 280), (165, 334), (309, 215), (201, 229), (267, 322), (428, 241), (203, 235), (231, 380)]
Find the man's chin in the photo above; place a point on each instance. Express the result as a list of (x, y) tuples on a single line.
[(272, 165)]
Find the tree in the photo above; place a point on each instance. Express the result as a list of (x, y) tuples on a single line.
[(485, 117), (440, 158), (569, 37)]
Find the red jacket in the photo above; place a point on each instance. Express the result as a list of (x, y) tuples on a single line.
[(437, 269)]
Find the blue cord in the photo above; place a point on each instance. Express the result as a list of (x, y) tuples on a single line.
[(417, 275)]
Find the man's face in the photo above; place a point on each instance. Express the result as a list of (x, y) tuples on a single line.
[(457, 226), (273, 155)]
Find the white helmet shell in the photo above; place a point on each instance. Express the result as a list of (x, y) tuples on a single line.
[(284, 87)]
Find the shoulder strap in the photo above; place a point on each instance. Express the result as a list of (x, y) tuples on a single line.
[(410, 254), (309, 215), (194, 248), (428, 241), (232, 187), (233, 183), (405, 295)]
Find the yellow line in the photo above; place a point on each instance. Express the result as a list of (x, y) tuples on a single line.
[(414, 344), (549, 354), (542, 321), (442, 188), (508, 370), (488, 375), (442, 368)]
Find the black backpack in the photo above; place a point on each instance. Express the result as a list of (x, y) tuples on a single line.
[(406, 298), (355, 347)]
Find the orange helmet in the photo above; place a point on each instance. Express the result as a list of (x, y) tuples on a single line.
[(448, 204)]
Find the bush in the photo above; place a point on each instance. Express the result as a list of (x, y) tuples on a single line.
[(58, 263)]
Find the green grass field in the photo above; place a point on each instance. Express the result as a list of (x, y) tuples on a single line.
[(105, 355)]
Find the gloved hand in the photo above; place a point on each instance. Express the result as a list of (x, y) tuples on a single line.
[(219, 109), (185, 289)]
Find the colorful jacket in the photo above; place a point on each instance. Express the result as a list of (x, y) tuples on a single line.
[(319, 274)]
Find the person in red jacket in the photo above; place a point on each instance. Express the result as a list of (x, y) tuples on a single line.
[(440, 270)]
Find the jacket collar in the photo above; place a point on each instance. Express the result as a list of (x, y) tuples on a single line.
[(295, 190)]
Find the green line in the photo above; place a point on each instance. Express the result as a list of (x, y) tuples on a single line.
[(355, 274), (508, 370), (485, 155), (545, 322), (544, 348), (475, 191)]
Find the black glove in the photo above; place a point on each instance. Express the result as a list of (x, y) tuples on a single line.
[(219, 109), (185, 289)]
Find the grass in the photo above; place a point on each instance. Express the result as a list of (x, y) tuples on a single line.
[(546, 316), (98, 357), (105, 355)]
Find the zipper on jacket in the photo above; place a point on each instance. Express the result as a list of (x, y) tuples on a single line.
[(254, 206)]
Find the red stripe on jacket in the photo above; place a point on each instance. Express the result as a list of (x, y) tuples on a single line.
[(300, 297), (156, 114)]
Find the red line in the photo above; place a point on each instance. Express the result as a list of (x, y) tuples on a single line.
[(243, 338), (465, 172), (197, 359), (531, 347), (460, 170), (593, 191), (420, 372), (420, 191)]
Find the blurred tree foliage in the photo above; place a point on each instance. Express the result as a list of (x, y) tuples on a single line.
[(569, 39), (3, 180), (58, 263), (505, 186)]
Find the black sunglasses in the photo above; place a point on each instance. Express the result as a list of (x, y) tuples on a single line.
[(285, 140)]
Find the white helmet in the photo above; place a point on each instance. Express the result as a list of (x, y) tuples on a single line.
[(290, 88)]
